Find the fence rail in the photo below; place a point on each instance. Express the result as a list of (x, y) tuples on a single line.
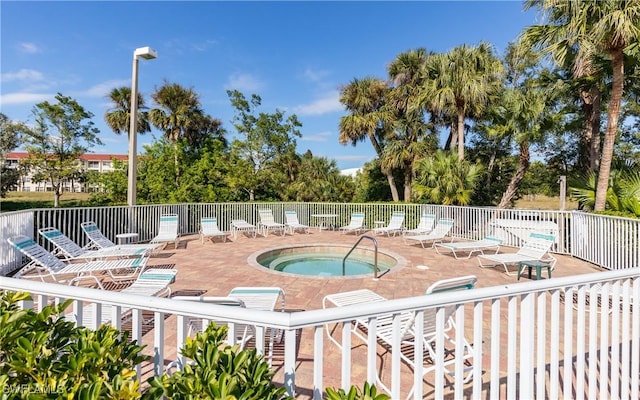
[(569, 337), (564, 337), (609, 242)]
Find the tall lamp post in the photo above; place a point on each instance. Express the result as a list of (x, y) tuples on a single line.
[(148, 54)]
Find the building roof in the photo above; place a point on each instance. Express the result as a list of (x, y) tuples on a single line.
[(84, 157)]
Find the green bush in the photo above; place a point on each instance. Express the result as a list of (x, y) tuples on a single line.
[(44, 356), (368, 392), (218, 371)]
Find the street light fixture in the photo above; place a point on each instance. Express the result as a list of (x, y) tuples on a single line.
[(148, 54)]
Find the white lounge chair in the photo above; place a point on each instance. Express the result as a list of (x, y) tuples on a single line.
[(167, 230), (424, 226), (152, 282), (209, 228), (195, 325), (395, 225), (355, 225), (384, 326), (255, 298), (240, 225), (46, 265), (536, 248), (470, 247), (292, 222), (69, 250), (441, 230), (268, 222), (262, 298), (97, 240)]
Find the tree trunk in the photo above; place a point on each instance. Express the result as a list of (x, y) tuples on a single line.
[(408, 180), (617, 88), (490, 165), (392, 182), (460, 135), (590, 151), (57, 191), (175, 161), (523, 166), (392, 185), (452, 139), (594, 149), (587, 130)]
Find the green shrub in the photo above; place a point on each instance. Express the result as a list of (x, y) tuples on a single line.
[(218, 371), (44, 356), (368, 392)]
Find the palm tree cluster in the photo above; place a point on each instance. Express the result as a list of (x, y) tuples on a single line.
[(549, 91), (588, 36), (424, 92), (565, 91)]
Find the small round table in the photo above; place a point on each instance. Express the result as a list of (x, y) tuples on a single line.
[(378, 225), (325, 220), (128, 237)]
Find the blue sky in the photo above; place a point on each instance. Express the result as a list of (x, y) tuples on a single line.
[(295, 55)]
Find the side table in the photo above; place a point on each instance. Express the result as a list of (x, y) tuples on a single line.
[(538, 265), (127, 237)]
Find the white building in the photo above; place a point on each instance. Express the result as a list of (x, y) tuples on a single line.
[(87, 162)]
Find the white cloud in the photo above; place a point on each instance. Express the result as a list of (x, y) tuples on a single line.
[(27, 47), (103, 89), (350, 171), (114, 140), (28, 75), (243, 83), (318, 137), (203, 46), (329, 103), (353, 158), (315, 75), (24, 98)]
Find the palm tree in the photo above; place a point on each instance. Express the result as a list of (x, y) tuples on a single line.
[(178, 116), (365, 99), (526, 109), (611, 26), (463, 81), (624, 189), (405, 144), (443, 179), (118, 116)]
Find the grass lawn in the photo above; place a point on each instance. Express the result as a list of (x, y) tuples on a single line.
[(541, 202), (25, 200)]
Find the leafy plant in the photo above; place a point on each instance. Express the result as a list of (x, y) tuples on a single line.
[(623, 195), (443, 179), (368, 392), (218, 371), (42, 355)]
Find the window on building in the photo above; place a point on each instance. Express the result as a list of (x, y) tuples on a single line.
[(93, 164)]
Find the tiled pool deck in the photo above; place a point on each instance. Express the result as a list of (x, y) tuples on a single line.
[(216, 268)]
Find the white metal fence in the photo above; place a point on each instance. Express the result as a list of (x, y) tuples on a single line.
[(609, 242), (571, 337)]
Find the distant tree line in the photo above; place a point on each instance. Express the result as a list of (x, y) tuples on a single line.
[(565, 91)]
